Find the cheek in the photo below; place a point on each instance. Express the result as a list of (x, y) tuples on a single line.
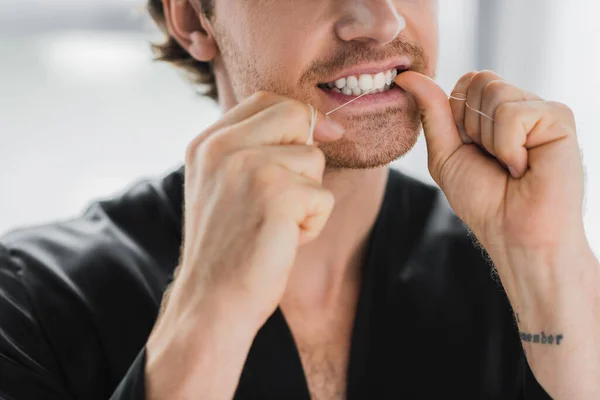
[(422, 22), (270, 39)]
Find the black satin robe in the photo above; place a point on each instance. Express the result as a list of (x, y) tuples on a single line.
[(78, 299)]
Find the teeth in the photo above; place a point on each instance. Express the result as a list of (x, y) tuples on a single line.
[(365, 82), (357, 85), (340, 83), (379, 80), (352, 82), (388, 77)]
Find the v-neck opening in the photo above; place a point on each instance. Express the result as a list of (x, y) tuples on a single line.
[(358, 351)]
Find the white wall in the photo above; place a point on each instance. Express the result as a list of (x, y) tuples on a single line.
[(84, 114)]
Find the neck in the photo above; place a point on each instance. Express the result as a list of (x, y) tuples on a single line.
[(325, 266)]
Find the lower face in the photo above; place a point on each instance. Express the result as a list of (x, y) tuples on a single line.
[(298, 49)]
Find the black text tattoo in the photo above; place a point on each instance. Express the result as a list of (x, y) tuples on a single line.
[(541, 338)]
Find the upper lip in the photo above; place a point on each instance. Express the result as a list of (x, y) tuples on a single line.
[(372, 68)]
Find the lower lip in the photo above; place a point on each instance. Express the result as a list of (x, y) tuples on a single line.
[(395, 97)]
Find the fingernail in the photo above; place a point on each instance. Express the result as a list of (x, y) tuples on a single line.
[(513, 172), (334, 126)]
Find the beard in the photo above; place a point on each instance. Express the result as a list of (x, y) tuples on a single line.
[(372, 139), (375, 139)]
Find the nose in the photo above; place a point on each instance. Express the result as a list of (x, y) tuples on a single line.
[(374, 21)]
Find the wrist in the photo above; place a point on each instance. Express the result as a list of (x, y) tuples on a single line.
[(543, 278), (198, 348)]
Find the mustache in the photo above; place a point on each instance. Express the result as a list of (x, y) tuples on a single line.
[(355, 53)]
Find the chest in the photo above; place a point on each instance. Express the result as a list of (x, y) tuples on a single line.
[(324, 350)]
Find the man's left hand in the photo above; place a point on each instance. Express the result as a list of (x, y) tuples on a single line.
[(510, 165)]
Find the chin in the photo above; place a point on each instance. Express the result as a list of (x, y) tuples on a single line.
[(373, 142)]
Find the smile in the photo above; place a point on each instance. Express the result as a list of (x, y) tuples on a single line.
[(356, 85)]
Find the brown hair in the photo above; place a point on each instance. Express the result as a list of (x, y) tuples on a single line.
[(199, 72)]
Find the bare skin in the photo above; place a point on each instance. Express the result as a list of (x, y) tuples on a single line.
[(267, 217)]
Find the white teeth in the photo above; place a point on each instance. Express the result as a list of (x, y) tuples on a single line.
[(352, 82), (388, 77), (365, 82), (379, 80), (340, 83), (357, 85)]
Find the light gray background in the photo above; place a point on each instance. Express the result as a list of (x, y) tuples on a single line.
[(84, 112)]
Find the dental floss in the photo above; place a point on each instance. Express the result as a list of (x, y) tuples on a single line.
[(313, 122), (454, 97), (354, 99)]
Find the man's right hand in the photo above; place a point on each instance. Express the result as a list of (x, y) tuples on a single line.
[(253, 195)]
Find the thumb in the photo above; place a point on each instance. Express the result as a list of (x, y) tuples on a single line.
[(441, 134)]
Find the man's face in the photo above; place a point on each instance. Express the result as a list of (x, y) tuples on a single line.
[(297, 47)]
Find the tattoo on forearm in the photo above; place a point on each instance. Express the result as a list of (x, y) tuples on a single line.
[(541, 337)]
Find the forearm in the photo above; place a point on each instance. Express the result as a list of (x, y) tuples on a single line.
[(202, 353), (556, 298)]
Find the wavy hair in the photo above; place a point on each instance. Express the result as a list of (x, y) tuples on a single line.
[(199, 72)]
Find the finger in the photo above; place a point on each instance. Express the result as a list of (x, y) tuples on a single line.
[(473, 120), (303, 202), (308, 161), (247, 108), (319, 203), (523, 126), (496, 93), (441, 134), (459, 106), (285, 122)]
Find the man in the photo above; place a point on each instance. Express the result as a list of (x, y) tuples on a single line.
[(313, 270)]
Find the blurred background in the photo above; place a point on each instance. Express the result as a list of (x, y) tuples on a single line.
[(84, 112)]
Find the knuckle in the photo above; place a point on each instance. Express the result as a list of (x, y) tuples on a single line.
[(268, 179), (464, 81), (191, 152), (214, 145), (195, 148), (469, 75), (328, 199), (241, 160), (564, 110), (478, 77), (506, 112), (261, 95), (495, 89), (317, 154), (481, 77), (295, 111)]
